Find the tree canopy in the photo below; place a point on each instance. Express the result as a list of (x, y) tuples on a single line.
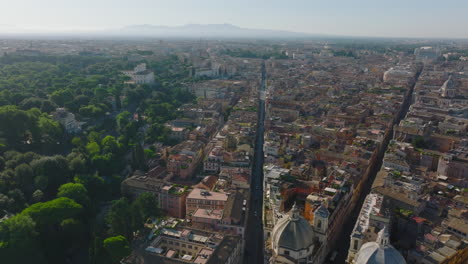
[(53, 211), (117, 247), (54, 179), (19, 241), (75, 191)]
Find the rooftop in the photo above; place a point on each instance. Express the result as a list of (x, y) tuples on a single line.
[(371, 206), (208, 213), (207, 195)]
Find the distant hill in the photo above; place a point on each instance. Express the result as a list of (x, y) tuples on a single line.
[(208, 30), (146, 30)]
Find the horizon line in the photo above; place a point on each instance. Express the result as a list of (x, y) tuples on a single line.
[(114, 32)]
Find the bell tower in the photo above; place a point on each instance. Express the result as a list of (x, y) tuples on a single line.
[(321, 216)]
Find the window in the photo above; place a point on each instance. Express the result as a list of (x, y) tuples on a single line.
[(356, 245), (286, 252), (319, 224)]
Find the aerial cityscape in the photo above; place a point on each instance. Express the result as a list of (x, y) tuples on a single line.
[(213, 143)]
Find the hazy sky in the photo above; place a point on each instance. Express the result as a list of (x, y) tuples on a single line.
[(396, 18)]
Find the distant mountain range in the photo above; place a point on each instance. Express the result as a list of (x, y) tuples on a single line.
[(146, 30), (206, 30), (212, 31)]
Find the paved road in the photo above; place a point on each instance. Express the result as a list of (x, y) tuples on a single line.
[(254, 231)]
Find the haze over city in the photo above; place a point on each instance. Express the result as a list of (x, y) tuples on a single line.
[(233, 132), (383, 18)]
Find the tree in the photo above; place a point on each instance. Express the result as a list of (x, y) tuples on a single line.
[(100, 93), (144, 206), (37, 196), (93, 148), (7, 180), (77, 142), (94, 184), (31, 102), (78, 101), (49, 129), (61, 97), (15, 123), (117, 217), (110, 145), (130, 133), (2, 163), (27, 157), (138, 156), (149, 154), (106, 164), (56, 171), (11, 164), (117, 247), (72, 228), (10, 154), (24, 177), (98, 255), (164, 111), (75, 191), (122, 120), (49, 217), (94, 136), (157, 132), (92, 110), (48, 106), (19, 241), (78, 165), (18, 230), (4, 204), (41, 182), (18, 201), (118, 102), (53, 211)]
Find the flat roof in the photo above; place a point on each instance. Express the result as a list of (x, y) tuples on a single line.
[(202, 194), (207, 213), (458, 224)]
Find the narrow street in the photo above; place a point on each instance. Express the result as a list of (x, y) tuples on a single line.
[(343, 242), (254, 231)]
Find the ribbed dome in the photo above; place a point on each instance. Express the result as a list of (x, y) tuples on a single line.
[(380, 252), (293, 232)]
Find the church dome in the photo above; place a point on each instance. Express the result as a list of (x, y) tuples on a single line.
[(380, 252), (293, 232)]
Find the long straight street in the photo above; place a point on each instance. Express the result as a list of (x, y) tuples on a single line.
[(344, 239), (254, 231)]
